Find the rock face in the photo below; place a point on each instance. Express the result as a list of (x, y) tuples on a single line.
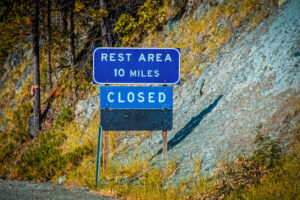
[(1, 122), (257, 81), (14, 59), (171, 24), (25, 75), (12, 62), (85, 109)]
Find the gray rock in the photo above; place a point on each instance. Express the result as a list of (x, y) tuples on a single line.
[(13, 103), (30, 126), (201, 11), (11, 64), (178, 3), (221, 1), (2, 127), (24, 77), (85, 109), (171, 24), (60, 180), (14, 60)]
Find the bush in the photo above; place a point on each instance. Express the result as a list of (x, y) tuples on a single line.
[(233, 177), (283, 181), (77, 156), (6, 152), (125, 27), (64, 117), (267, 152), (20, 132), (149, 18), (42, 159)]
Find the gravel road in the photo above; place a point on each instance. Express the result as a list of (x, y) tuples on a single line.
[(15, 190)]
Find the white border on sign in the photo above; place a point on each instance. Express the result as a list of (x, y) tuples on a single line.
[(136, 48)]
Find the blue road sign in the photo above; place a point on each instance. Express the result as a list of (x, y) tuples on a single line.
[(136, 97), (136, 65)]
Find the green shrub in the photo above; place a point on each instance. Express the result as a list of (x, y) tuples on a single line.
[(42, 159), (20, 133), (6, 151), (267, 151), (125, 26), (78, 154), (283, 181), (64, 117), (234, 177), (149, 18)]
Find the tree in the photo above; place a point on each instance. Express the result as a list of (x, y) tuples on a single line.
[(36, 71), (72, 45), (105, 30), (49, 43)]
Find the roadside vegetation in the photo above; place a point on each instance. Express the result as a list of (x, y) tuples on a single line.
[(66, 152)]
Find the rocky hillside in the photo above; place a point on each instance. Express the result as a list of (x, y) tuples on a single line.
[(254, 82)]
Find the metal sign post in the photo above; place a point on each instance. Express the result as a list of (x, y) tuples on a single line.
[(98, 155)]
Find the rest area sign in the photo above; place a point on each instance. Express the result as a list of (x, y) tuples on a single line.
[(136, 66)]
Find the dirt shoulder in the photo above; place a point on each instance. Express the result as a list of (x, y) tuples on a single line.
[(15, 190)]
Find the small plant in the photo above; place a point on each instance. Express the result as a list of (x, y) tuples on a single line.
[(149, 18), (20, 132), (64, 117), (42, 159), (243, 172), (75, 157), (6, 151), (267, 151), (283, 180), (126, 26)]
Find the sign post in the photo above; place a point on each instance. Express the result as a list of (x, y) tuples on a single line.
[(105, 150), (98, 155), (165, 142)]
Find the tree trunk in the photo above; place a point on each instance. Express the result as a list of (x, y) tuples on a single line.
[(72, 46), (36, 72), (49, 44), (105, 29), (64, 18), (72, 35)]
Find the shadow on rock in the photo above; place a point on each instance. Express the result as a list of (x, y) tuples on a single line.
[(189, 127)]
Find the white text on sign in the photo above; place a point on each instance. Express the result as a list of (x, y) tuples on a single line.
[(136, 73), (121, 57), (141, 97)]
